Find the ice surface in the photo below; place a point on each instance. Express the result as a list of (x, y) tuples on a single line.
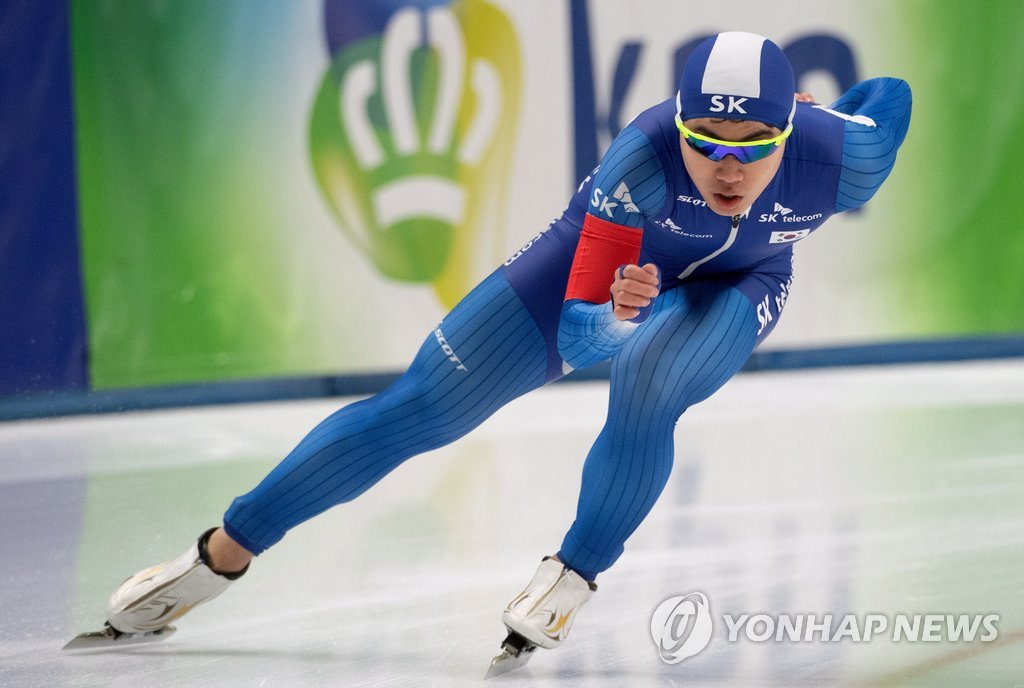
[(879, 490)]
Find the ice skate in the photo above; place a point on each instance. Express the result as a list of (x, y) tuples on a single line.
[(142, 608), (541, 615)]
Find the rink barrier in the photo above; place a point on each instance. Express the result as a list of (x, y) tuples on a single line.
[(54, 404)]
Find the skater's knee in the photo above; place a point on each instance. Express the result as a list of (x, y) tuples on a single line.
[(417, 393)]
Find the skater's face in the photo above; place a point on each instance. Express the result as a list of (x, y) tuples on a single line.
[(729, 186)]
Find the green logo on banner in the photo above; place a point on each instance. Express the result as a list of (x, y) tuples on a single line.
[(411, 141)]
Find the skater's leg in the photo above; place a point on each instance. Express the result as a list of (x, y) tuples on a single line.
[(497, 344), (485, 353), (698, 336)]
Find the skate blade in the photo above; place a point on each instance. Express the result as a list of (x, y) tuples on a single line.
[(509, 659), (506, 662), (109, 637)]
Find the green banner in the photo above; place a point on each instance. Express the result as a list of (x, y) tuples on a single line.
[(266, 193)]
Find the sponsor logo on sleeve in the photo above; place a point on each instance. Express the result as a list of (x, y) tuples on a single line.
[(604, 203)]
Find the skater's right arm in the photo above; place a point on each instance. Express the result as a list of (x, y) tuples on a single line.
[(608, 293), (877, 114)]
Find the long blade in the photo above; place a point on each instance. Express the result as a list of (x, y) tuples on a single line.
[(108, 637), (507, 661)]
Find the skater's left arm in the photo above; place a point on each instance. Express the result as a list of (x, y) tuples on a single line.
[(877, 114)]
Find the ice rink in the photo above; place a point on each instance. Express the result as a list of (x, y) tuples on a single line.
[(867, 491)]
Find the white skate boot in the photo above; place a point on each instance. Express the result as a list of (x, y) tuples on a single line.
[(143, 606), (541, 615)]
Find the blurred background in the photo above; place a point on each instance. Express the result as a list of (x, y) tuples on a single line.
[(201, 192), (207, 201)]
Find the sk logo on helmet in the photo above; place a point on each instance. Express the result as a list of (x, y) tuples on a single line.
[(411, 137), (735, 104)]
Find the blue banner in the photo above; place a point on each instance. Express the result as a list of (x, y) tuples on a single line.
[(42, 337)]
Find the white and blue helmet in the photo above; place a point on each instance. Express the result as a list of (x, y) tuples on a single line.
[(738, 75)]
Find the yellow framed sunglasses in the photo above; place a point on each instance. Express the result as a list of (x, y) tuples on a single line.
[(744, 151)]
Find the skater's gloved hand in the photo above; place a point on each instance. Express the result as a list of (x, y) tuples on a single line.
[(634, 290)]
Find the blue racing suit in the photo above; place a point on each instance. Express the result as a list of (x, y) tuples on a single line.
[(724, 285)]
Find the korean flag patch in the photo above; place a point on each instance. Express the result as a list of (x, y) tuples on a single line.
[(786, 237)]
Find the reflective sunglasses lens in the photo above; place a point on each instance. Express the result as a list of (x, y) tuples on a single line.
[(754, 153), (705, 148), (716, 152)]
